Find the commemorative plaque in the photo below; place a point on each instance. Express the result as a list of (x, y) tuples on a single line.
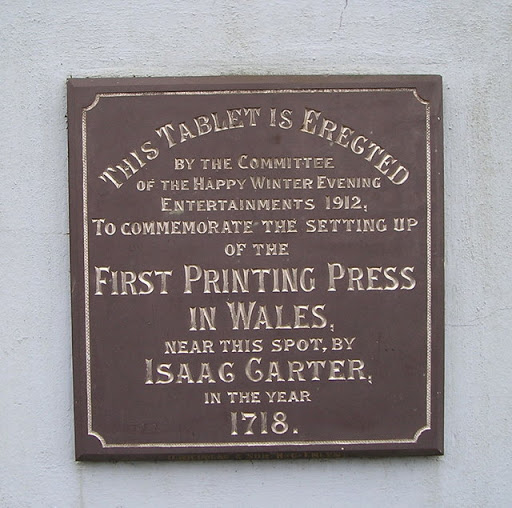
[(257, 266)]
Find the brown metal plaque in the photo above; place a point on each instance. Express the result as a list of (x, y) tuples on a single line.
[(257, 266)]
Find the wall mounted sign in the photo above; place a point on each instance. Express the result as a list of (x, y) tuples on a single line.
[(257, 266)]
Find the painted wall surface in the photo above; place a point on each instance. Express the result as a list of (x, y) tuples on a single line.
[(468, 42)]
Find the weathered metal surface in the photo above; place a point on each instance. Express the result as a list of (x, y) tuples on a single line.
[(257, 266)]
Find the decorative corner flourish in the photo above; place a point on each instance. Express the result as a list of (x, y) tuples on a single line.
[(99, 437), (418, 97), (420, 431), (94, 103)]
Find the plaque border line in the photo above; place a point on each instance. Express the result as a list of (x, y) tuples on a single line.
[(428, 162)]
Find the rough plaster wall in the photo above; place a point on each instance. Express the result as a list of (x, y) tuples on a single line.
[(44, 42)]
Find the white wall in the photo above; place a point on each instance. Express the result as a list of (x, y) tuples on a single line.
[(44, 42)]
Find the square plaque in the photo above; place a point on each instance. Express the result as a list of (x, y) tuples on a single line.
[(257, 266)]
